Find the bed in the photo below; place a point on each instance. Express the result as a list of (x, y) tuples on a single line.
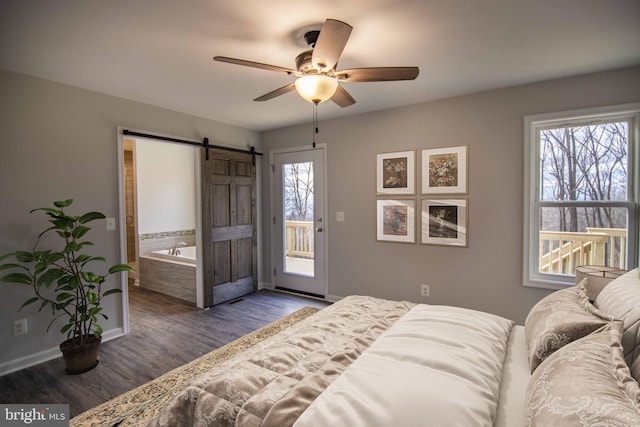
[(366, 361)]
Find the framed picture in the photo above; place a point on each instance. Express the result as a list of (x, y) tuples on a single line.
[(396, 221), (444, 222), (396, 173), (444, 170)]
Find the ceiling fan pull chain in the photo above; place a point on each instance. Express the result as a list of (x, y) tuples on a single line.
[(315, 122)]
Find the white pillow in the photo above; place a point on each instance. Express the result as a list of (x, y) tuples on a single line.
[(621, 299)]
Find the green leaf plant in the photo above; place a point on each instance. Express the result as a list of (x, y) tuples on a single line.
[(60, 279)]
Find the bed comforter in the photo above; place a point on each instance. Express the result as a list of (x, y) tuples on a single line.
[(360, 362)]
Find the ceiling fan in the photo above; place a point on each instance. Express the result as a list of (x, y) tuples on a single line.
[(318, 80)]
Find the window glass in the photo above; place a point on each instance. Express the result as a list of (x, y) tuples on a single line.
[(584, 162)]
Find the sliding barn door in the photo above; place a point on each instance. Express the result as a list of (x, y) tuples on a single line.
[(229, 225)]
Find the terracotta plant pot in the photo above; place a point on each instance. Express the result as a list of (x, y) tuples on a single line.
[(80, 358)]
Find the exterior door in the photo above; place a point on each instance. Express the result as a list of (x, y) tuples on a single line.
[(229, 230), (300, 223)]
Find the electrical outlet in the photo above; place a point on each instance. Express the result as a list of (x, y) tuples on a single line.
[(20, 327), (425, 290)]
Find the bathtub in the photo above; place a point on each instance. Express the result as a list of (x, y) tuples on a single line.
[(186, 254), (173, 275)]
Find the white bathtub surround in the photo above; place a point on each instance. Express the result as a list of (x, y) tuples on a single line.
[(186, 254), (165, 240)]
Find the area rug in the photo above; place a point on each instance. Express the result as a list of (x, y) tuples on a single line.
[(140, 405)]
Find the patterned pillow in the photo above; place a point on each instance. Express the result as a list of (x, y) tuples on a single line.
[(585, 383), (558, 319), (621, 299), (635, 369)]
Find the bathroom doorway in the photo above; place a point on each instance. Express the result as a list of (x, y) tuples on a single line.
[(160, 211), (159, 188)]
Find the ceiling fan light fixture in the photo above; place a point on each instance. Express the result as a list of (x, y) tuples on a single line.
[(316, 88), (316, 67)]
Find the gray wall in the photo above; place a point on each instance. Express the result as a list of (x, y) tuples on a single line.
[(487, 274), (59, 142)]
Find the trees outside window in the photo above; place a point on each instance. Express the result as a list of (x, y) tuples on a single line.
[(298, 201)]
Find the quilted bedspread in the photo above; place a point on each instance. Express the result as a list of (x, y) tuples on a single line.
[(361, 362), (273, 382)]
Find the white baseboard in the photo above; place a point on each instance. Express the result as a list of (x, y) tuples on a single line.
[(46, 355), (265, 285), (329, 298), (31, 360)]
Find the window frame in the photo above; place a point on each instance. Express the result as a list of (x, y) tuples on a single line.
[(531, 277)]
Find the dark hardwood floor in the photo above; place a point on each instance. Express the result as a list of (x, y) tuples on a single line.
[(164, 333)]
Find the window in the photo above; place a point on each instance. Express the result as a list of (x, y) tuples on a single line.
[(581, 193)]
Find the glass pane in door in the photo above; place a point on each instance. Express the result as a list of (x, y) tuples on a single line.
[(298, 218)]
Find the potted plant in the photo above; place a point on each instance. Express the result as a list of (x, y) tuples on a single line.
[(62, 282)]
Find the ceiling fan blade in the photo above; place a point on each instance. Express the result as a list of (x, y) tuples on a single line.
[(254, 64), (342, 97), (330, 44), (277, 92), (377, 74)]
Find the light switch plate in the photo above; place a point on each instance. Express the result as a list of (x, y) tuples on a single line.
[(111, 224)]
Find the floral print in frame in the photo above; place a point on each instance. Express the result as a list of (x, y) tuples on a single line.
[(396, 220), (444, 170), (395, 173), (444, 222)]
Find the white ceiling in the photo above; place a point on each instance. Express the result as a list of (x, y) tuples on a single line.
[(160, 51)]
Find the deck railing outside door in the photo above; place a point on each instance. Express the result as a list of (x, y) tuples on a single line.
[(299, 239)]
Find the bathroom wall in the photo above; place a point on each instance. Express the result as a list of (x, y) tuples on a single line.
[(165, 177), (166, 194)]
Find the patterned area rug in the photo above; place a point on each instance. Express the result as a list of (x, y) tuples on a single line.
[(140, 405)]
